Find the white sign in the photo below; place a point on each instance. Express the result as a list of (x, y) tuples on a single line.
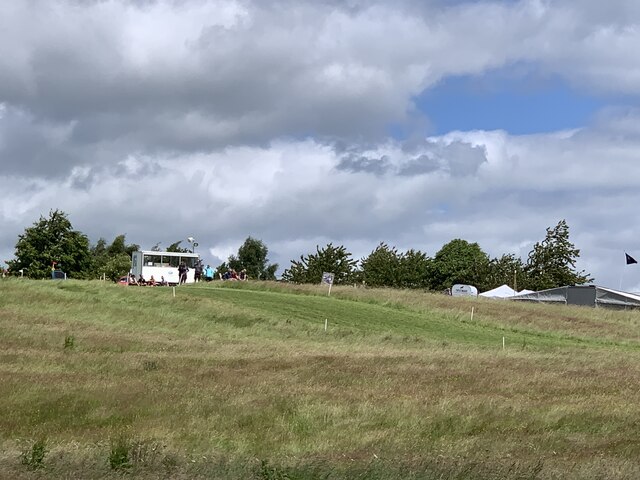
[(327, 278)]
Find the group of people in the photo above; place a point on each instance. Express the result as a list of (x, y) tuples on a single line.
[(209, 274), (140, 281), (233, 275)]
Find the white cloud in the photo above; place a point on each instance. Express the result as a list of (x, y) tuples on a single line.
[(293, 195), (167, 75)]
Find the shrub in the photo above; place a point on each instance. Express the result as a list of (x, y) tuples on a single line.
[(69, 342), (150, 365), (119, 455), (34, 457)]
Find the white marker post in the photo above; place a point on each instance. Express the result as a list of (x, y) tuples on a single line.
[(503, 343), (472, 314), (326, 324), (174, 292)]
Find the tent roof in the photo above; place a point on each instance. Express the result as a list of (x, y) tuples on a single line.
[(503, 291)]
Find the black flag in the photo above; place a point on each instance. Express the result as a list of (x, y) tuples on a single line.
[(630, 259)]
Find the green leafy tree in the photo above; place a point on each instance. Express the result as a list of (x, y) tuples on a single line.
[(175, 247), (119, 246), (49, 240), (414, 270), (113, 260), (252, 256), (459, 262), (506, 270), (117, 266), (381, 268), (309, 268), (552, 262)]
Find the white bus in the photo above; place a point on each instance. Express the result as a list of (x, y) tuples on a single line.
[(163, 264)]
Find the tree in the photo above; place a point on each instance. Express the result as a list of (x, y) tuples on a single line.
[(552, 262), (414, 270), (504, 270), (386, 267), (119, 246), (332, 259), (114, 260), (458, 262), (252, 256), (117, 266), (52, 240), (381, 268), (175, 247)]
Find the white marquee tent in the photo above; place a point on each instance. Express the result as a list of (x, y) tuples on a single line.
[(503, 291)]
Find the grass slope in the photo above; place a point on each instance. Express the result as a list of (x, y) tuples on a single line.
[(242, 381)]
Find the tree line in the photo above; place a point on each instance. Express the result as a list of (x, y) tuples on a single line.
[(551, 262)]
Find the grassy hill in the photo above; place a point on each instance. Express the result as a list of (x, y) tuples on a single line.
[(243, 381)]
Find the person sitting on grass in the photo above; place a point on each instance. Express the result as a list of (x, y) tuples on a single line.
[(243, 275), (151, 282), (141, 281), (132, 279)]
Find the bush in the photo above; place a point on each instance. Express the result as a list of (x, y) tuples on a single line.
[(119, 455), (150, 365), (69, 342), (34, 457)]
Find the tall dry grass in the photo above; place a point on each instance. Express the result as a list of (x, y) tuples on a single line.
[(244, 382)]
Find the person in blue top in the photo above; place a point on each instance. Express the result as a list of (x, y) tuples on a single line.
[(208, 273)]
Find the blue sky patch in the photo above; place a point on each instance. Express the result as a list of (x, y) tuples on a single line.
[(515, 103)]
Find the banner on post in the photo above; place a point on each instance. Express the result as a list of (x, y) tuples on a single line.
[(327, 278)]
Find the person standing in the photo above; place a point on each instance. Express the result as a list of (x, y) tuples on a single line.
[(182, 272), (198, 272), (208, 273)]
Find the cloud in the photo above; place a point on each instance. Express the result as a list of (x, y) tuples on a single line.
[(122, 77), (456, 158), (502, 191)]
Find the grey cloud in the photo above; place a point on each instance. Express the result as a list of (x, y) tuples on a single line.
[(271, 70), (422, 164), (457, 159), (355, 163), (463, 159), (29, 146)]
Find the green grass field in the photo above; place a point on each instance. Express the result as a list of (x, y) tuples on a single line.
[(243, 381)]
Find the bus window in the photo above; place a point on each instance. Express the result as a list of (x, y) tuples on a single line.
[(170, 261), (152, 261), (189, 261)]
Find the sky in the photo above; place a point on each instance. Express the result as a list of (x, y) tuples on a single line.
[(409, 122)]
